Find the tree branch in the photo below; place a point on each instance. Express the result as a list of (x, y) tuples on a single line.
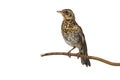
[(89, 57)]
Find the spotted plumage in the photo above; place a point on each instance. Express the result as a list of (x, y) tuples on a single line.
[(73, 34)]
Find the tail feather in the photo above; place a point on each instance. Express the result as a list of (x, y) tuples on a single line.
[(85, 61), (83, 51)]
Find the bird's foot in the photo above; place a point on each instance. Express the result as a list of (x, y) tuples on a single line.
[(69, 54)]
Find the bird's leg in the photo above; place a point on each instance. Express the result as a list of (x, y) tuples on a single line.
[(69, 52), (78, 55)]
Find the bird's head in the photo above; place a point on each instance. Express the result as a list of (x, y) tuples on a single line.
[(67, 14)]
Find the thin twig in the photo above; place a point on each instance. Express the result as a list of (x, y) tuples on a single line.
[(89, 57)]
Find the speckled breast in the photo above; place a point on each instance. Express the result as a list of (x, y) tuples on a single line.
[(70, 34)]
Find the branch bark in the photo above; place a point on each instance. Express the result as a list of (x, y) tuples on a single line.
[(89, 57)]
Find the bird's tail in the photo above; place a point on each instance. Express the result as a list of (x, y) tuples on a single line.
[(85, 60)]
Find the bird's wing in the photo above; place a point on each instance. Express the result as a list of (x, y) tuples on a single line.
[(83, 41)]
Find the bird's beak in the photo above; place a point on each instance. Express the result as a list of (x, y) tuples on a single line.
[(59, 11)]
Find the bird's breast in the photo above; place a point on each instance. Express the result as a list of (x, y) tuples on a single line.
[(70, 34), (68, 29)]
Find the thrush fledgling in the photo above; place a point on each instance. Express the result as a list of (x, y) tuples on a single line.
[(73, 34)]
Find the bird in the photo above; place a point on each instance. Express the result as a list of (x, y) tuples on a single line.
[(73, 35)]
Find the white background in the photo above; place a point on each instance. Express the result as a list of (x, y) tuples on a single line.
[(29, 28)]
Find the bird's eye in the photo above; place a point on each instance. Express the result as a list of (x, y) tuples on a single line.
[(65, 12)]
